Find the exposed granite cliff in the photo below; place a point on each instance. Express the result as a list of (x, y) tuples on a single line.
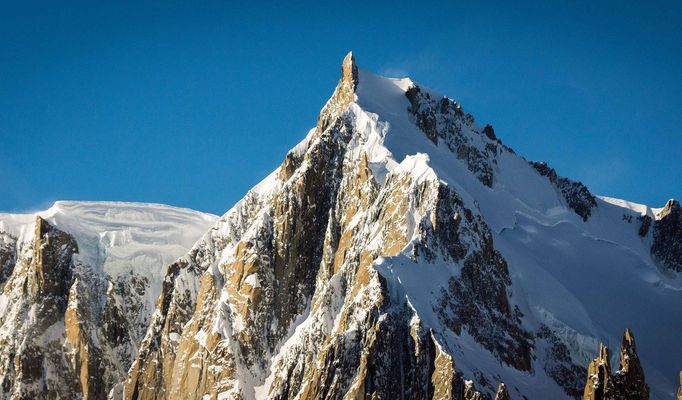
[(626, 383), (502, 393), (37, 292)]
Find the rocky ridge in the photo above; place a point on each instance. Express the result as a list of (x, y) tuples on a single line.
[(667, 236), (68, 329), (294, 258), (577, 196)]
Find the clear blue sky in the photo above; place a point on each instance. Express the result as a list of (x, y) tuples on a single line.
[(192, 103)]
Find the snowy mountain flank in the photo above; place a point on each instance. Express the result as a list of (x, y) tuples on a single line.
[(78, 284), (400, 251)]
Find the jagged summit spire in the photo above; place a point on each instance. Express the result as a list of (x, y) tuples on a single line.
[(626, 383), (349, 69), (671, 206), (344, 94), (628, 340), (502, 393)]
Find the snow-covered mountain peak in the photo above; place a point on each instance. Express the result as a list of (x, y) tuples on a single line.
[(553, 233)]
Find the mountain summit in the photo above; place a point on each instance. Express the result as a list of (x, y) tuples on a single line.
[(401, 250)]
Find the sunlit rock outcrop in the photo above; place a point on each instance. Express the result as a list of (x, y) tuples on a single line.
[(69, 329), (625, 383)]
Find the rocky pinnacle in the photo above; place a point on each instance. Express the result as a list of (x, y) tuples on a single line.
[(627, 383)]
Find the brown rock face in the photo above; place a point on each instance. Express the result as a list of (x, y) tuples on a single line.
[(85, 358), (679, 391), (268, 278), (629, 379), (627, 383), (599, 383), (470, 392), (38, 286), (447, 382), (502, 393), (50, 273), (173, 311), (343, 95)]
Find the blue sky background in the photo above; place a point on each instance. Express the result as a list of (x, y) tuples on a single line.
[(191, 104)]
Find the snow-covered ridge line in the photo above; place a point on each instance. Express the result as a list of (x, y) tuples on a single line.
[(118, 237)]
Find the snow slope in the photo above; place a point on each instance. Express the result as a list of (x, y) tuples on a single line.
[(119, 237), (587, 280)]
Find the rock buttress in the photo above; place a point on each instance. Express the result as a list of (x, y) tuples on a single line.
[(627, 383), (667, 236)]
